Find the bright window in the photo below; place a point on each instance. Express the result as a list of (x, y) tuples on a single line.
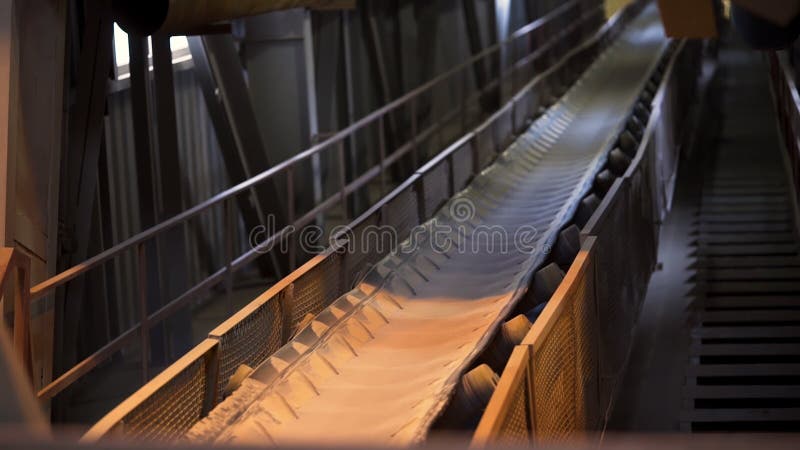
[(178, 44)]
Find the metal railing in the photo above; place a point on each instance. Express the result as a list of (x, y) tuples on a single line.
[(787, 105), (561, 382), (262, 327), (575, 19)]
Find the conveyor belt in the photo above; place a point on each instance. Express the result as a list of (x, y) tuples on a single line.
[(387, 367)]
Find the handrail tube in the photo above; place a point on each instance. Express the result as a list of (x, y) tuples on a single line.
[(44, 287), (272, 292), (165, 311)]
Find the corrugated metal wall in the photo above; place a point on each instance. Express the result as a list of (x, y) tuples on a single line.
[(203, 175)]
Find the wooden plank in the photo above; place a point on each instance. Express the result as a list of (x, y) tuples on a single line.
[(741, 391), (744, 249), (741, 415), (744, 349), (746, 332), (742, 370)]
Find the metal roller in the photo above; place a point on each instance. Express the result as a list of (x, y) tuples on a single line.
[(567, 246), (185, 16), (618, 162), (603, 181), (510, 335), (470, 399), (628, 143), (585, 210)]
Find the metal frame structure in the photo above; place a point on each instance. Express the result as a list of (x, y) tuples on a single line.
[(578, 347), (263, 326), (572, 21), (787, 104)]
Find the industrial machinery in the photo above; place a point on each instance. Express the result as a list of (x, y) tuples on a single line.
[(587, 226)]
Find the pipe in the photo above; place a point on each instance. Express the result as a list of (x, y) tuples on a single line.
[(184, 16)]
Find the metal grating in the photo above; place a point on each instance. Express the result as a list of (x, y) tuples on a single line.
[(402, 213), (462, 166), (317, 288), (554, 380), (366, 245), (436, 187), (251, 340), (484, 143), (169, 413), (743, 366), (584, 316), (516, 428)]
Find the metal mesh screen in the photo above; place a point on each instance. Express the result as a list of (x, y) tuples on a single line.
[(173, 409), (554, 379), (584, 318), (516, 425), (484, 142), (436, 188), (504, 129), (523, 111), (612, 300), (367, 245), (402, 213), (462, 166), (317, 288), (251, 340)]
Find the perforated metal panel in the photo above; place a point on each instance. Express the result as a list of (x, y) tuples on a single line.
[(402, 213), (554, 379), (367, 244), (516, 428), (436, 187), (484, 142), (504, 129), (584, 315), (251, 340), (317, 288), (173, 409), (462, 166)]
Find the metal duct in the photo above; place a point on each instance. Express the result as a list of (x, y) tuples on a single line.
[(185, 16)]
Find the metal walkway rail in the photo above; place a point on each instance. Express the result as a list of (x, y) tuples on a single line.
[(745, 349), (380, 364)]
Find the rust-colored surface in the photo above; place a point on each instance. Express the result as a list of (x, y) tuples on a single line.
[(688, 18)]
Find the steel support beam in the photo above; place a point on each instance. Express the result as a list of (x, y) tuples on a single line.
[(383, 87), (141, 101), (241, 147), (172, 247), (81, 158), (480, 69)]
